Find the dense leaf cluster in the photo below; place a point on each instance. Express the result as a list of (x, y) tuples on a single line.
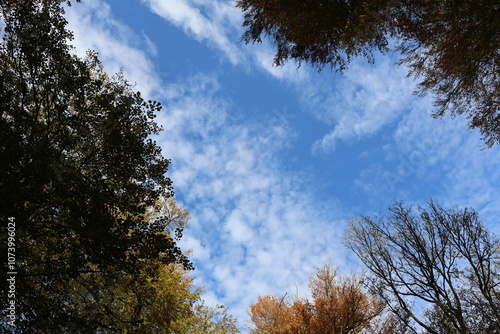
[(339, 305), (453, 46), (80, 174)]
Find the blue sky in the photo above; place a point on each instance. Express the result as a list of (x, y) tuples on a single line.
[(272, 162)]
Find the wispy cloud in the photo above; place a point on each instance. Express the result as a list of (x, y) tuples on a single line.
[(359, 103), (219, 23), (263, 56), (204, 20), (440, 158), (119, 47), (446, 154)]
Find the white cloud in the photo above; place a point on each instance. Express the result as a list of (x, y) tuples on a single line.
[(446, 150), (359, 103), (220, 24), (119, 48), (264, 57), (187, 15), (439, 158), (238, 229)]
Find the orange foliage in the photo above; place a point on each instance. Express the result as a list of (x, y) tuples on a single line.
[(339, 305)]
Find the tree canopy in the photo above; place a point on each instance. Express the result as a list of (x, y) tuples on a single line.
[(339, 305), (453, 46), (96, 229)]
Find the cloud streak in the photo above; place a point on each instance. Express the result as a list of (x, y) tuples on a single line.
[(359, 103), (219, 23), (208, 25), (119, 47)]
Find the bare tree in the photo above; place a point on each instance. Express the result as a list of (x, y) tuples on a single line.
[(443, 258)]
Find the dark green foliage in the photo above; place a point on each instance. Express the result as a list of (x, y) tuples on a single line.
[(78, 169), (453, 46), (318, 32)]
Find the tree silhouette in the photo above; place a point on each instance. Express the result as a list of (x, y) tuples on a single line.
[(79, 171), (444, 258)]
